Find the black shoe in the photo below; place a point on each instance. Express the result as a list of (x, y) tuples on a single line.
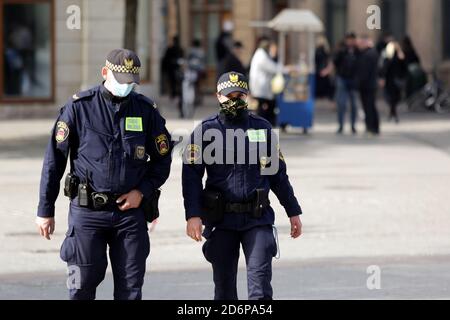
[(340, 131), (354, 130)]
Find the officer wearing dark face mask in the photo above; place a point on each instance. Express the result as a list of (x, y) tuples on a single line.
[(120, 154), (234, 206)]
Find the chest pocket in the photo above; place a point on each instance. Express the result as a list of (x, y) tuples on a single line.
[(96, 144), (135, 147)]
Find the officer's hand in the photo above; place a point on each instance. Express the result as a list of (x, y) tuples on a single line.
[(296, 227), (46, 226), (194, 229), (131, 200)]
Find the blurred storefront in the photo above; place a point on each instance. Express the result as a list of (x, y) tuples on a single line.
[(46, 59), (43, 62)]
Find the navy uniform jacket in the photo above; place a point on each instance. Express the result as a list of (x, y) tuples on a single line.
[(236, 181), (110, 141)]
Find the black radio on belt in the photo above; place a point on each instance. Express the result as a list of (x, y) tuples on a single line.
[(83, 195), (71, 186), (260, 201)]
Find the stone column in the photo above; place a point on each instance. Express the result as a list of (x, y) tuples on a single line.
[(68, 59), (243, 13), (423, 31)]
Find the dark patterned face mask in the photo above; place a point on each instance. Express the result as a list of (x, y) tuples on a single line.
[(234, 108)]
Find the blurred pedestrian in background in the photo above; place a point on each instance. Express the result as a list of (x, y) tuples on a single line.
[(345, 63), (171, 67), (224, 43), (232, 62), (196, 61), (262, 70), (366, 81), (393, 74), (324, 68), (416, 77)]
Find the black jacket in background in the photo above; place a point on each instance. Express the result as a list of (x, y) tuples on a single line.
[(346, 62), (230, 63), (367, 69)]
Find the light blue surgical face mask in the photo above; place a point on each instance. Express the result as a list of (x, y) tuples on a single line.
[(118, 89)]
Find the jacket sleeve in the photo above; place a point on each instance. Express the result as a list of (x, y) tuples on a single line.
[(192, 174), (62, 138), (279, 182), (160, 146)]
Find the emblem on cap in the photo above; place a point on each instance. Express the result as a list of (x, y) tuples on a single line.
[(234, 78), (128, 63)]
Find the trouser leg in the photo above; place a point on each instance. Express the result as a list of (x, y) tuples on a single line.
[(129, 249), (84, 250), (341, 100), (221, 249), (259, 247)]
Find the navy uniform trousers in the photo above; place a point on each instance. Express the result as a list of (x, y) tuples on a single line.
[(221, 249), (85, 248)]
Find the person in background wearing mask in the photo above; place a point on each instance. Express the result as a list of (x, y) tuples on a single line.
[(120, 154), (234, 205), (224, 42), (263, 68)]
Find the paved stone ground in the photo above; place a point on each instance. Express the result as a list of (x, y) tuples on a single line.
[(364, 200)]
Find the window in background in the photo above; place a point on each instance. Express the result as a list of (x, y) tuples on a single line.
[(393, 17), (26, 44), (208, 18), (335, 20)]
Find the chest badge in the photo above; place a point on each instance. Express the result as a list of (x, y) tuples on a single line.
[(162, 144), (139, 153), (133, 124)]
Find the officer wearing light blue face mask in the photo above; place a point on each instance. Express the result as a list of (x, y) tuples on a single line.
[(120, 154), (120, 79)]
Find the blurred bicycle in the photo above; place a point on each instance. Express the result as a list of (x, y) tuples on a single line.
[(443, 103), (432, 97)]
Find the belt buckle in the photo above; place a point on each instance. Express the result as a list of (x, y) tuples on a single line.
[(99, 200)]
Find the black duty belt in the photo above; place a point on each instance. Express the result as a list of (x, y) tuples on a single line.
[(101, 200), (239, 207)]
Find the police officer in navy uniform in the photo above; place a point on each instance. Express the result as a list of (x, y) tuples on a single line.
[(120, 154), (234, 204)]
